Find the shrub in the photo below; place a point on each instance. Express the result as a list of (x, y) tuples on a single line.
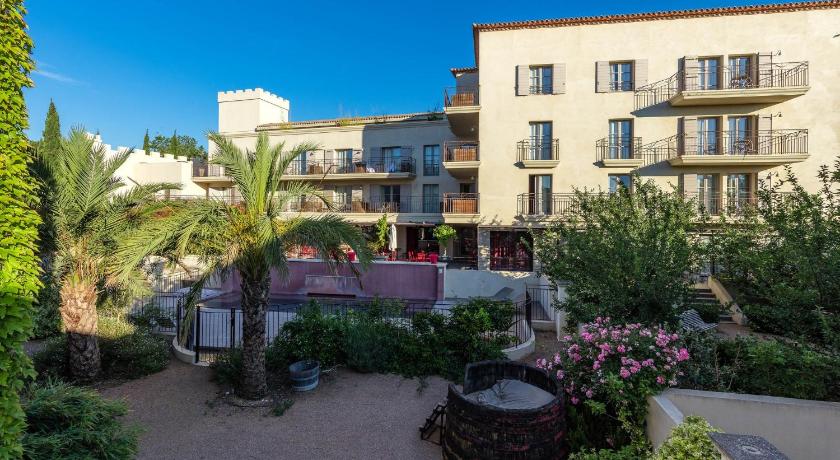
[(227, 368), (65, 421), (45, 315), (371, 345), (625, 453), (689, 441), (607, 372), (623, 254), (313, 335), (125, 352)]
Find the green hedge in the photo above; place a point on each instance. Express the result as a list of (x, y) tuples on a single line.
[(19, 221), (64, 421)]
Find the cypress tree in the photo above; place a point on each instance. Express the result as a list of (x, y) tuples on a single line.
[(174, 146), (146, 142), (51, 137)]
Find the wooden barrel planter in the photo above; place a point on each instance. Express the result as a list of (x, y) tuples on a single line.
[(304, 375), (475, 430)]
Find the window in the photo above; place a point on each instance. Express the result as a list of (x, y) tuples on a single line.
[(431, 160), (541, 81), (540, 141), (707, 193), (738, 194), (391, 159), (343, 197), (509, 251), (740, 136), (707, 73), (707, 136), (619, 181), (390, 193), (343, 161), (621, 76), (542, 200), (466, 187), (431, 198), (621, 139), (740, 75), (298, 165)]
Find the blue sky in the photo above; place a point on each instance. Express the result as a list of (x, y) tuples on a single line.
[(121, 67)]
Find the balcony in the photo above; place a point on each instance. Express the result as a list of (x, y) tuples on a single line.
[(205, 173), (545, 205), (721, 148), (461, 105), (461, 158), (460, 208), (357, 169), (617, 152), (769, 84), (531, 153)]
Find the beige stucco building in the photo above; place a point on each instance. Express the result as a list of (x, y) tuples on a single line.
[(708, 101)]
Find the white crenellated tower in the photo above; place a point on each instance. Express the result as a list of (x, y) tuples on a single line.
[(244, 110)]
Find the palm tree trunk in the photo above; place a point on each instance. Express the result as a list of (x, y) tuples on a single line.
[(78, 312), (255, 289)]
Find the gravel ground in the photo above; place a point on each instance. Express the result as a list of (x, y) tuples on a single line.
[(349, 415)]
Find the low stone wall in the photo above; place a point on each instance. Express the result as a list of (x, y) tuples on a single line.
[(464, 284), (801, 429)]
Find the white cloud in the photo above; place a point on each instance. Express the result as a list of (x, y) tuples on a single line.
[(57, 77)]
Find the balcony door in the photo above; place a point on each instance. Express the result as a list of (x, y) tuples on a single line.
[(740, 136), (298, 166), (343, 161), (740, 72), (343, 197), (707, 193), (391, 159), (541, 192), (621, 139), (620, 181), (431, 198), (738, 191), (390, 198), (708, 131), (708, 73), (540, 140)]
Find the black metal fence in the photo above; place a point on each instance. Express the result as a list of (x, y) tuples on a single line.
[(211, 331), (540, 301), (161, 307)]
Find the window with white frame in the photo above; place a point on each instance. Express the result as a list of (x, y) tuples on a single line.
[(621, 76), (541, 81)]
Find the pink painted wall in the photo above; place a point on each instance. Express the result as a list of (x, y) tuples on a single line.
[(404, 280)]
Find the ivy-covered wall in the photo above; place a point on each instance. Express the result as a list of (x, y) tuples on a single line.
[(19, 267)]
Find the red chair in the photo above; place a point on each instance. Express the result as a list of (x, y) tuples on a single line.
[(421, 256), (433, 257)]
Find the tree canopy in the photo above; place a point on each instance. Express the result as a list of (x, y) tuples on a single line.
[(177, 144)]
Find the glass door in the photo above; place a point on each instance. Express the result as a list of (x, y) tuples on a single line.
[(342, 198), (707, 195), (540, 141), (391, 159), (343, 161), (740, 137), (431, 198), (541, 191), (738, 193), (707, 136), (621, 139), (708, 73), (740, 75)]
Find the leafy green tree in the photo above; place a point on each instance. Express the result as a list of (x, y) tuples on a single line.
[(251, 237), (146, 144), (187, 146), (783, 259), (18, 224), (444, 234), (51, 137), (90, 215), (624, 254)]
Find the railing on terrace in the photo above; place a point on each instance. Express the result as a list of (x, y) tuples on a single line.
[(460, 203), (518, 263), (774, 75), (371, 204), (203, 169), (460, 96), (545, 204), (618, 148), (461, 151), (535, 149), (161, 306), (728, 143), (210, 332), (320, 167)]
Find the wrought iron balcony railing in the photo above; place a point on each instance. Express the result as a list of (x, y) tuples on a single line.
[(618, 148), (776, 142), (461, 151), (369, 205), (204, 169), (545, 204), (319, 167), (460, 96), (537, 149)]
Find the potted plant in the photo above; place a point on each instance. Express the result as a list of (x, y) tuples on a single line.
[(443, 234)]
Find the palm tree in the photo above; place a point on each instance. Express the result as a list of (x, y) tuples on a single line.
[(251, 236), (89, 215)]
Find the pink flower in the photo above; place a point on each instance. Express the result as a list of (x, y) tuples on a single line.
[(589, 394), (660, 380), (624, 373), (683, 355), (596, 365), (621, 349), (560, 375), (575, 400)]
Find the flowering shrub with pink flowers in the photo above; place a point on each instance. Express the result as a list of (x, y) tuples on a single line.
[(607, 371)]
